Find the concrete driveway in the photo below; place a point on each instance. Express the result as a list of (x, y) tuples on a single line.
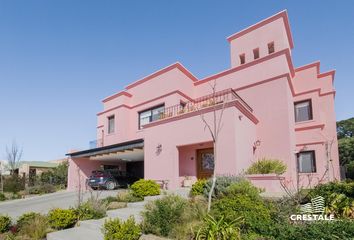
[(44, 203)]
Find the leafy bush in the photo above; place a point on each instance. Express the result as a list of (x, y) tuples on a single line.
[(116, 205), (219, 229), (2, 197), (57, 175), (5, 223), (221, 185), (36, 229), (327, 189), (242, 199), (62, 218), (26, 218), (198, 187), (340, 206), (163, 214), (350, 169), (109, 199), (41, 189), (143, 188), (91, 209), (14, 183), (324, 230), (128, 196), (115, 229), (266, 166)]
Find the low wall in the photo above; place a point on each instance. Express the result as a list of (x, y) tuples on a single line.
[(271, 183)]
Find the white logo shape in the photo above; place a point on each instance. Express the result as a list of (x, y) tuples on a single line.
[(315, 206)]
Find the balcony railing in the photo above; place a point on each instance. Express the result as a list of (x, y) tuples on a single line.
[(96, 143), (213, 99)]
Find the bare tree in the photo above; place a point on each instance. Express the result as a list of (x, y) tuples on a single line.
[(13, 156), (214, 129)]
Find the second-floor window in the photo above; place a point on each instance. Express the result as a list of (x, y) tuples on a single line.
[(303, 111), (271, 48), (111, 124), (306, 162), (150, 115), (242, 58)]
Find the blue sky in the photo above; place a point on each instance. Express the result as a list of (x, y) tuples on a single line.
[(59, 58)]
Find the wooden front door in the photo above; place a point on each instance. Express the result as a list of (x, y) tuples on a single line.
[(205, 163)]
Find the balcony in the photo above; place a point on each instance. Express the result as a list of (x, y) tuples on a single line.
[(214, 99), (95, 143)]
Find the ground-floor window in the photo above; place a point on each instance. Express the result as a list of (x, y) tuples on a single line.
[(306, 162)]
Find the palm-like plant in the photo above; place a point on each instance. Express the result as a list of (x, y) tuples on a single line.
[(219, 229), (340, 206)]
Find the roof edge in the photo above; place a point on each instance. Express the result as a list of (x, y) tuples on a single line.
[(283, 14), (177, 65)]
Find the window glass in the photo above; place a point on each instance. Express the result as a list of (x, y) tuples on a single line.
[(111, 124), (156, 113), (306, 162), (303, 111), (256, 53), (271, 47), (242, 58), (150, 115)]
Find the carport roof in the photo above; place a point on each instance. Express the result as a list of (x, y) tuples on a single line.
[(130, 145)]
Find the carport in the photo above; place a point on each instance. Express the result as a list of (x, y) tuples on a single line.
[(126, 156)]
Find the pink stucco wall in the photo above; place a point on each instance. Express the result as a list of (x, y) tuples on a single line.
[(269, 84)]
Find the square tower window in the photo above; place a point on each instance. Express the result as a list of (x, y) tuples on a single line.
[(271, 48), (111, 124), (242, 58), (256, 53)]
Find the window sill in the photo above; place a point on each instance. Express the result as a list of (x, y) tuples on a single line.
[(305, 122)]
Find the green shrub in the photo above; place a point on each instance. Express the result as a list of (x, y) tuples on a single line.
[(143, 188), (116, 205), (350, 169), (221, 185), (242, 199), (14, 183), (198, 187), (327, 189), (162, 215), (57, 176), (25, 219), (109, 199), (41, 189), (191, 219), (219, 229), (115, 229), (36, 229), (266, 166), (91, 209), (2, 197), (5, 223), (128, 196), (340, 206), (324, 230), (62, 218)]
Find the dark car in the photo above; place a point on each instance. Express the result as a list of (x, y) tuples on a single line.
[(109, 179)]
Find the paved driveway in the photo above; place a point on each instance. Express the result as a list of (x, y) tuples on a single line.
[(44, 203)]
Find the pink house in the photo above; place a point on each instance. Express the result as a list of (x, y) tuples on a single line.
[(271, 109)]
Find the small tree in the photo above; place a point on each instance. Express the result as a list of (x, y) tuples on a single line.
[(13, 156), (214, 129)]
